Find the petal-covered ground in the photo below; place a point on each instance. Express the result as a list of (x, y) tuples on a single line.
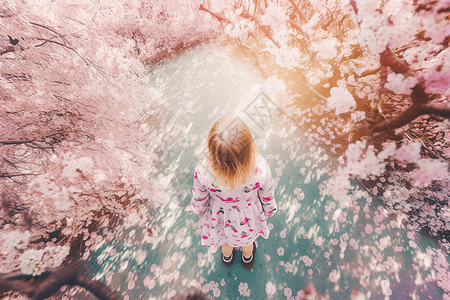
[(313, 239)]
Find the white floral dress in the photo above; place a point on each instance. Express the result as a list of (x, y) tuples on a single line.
[(234, 217)]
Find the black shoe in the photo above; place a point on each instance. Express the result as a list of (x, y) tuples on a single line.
[(247, 263), (228, 261)]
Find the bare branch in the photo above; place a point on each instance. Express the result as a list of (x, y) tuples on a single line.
[(55, 42), (297, 9), (15, 142), (6, 175), (45, 27), (7, 49), (404, 118), (213, 14), (310, 87), (389, 59), (294, 25), (52, 281), (368, 73), (414, 111), (263, 28), (97, 288), (442, 111)]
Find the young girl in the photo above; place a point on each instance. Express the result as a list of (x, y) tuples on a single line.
[(234, 187)]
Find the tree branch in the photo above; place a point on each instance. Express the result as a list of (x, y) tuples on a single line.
[(7, 49), (97, 288), (390, 59), (263, 28), (213, 14), (440, 110), (15, 142), (52, 281), (412, 112), (310, 87), (297, 9)]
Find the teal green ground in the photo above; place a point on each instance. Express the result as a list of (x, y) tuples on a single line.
[(311, 237)]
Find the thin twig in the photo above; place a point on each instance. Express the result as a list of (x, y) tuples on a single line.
[(311, 88)]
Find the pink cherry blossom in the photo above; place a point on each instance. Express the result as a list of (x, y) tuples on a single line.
[(307, 260), (341, 100), (368, 229), (333, 277), (270, 288), (280, 251)]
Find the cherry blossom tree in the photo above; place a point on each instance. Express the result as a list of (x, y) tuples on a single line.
[(76, 150), (367, 80)]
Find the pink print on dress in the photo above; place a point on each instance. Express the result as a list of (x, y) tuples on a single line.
[(267, 198), (251, 230), (262, 220), (245, 221), (213, 190), (243, 236), (204, 237), (212, 219), (229, 199), (256, 186), (196, 176)]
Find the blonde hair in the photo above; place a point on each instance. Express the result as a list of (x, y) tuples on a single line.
[(232, 151)]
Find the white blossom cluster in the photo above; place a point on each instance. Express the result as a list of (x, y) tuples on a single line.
[(31, 262), (326, 49), (409, 152), (72, 168), (361, 161), (16, 240), (437, 79), (341, 100), (275, 17), (358, 116), (275, 86), (285, 56), (389, 26), (430, 169), (35, 262), (399, 84), (239, 27)]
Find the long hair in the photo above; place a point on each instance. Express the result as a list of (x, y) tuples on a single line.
[(232, 151)]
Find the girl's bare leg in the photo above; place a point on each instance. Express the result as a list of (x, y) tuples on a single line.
[(227, 250), (247, 250)]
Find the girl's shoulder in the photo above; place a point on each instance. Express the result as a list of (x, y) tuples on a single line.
[(261, 167), (203, 171)]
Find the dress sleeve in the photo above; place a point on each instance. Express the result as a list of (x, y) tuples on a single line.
[(200, 195), (266, 192)]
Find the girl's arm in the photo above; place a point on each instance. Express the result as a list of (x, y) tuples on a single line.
[(200, 196), (266, 192)]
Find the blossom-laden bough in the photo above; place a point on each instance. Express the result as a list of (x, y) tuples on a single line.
[(51, 281), (368, 80), (359, 71), (77, 141)]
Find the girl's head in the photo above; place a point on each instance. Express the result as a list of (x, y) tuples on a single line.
[(232, 151)]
